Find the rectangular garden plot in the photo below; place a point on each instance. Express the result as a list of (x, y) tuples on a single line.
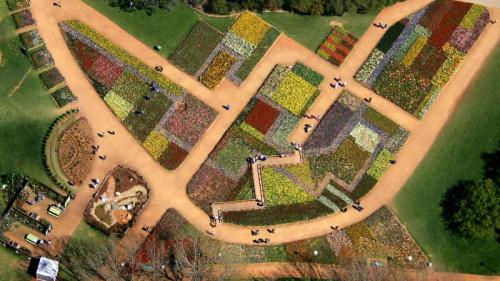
[(417, 56), (262, 128), (165, 120), (337, 45), (210, 56)]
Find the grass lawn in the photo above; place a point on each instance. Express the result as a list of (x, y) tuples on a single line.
[(12, 265), (455, 156), (311, 31), (26, 113), (163, 28)]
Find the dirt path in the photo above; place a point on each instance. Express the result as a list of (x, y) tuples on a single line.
[(168, 189), (281, 269)]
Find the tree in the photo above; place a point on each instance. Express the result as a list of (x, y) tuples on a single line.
[(492, 164), (217, 7), (147, 5), (472, 209)]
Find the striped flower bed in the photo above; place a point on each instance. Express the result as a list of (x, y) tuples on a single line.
[(337, 45)]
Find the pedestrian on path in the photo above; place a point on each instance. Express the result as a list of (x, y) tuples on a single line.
[(101, 135), (271, 230), (334, 85), (211, 232), (343, 83), (111, 132), (102, 157), (317, 117), (226, 106), (392, 161), (337, 79), (334, 227), (254, 232), (368, 100)]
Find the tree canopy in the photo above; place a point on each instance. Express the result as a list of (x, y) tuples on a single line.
[(472, 208)]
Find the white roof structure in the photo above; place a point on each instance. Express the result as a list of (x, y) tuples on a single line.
[(47, 269)]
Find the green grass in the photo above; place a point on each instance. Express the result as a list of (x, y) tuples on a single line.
[(311, 31), (25, 114), (454, 156), (11, 265), (86, 232), (163, 28)]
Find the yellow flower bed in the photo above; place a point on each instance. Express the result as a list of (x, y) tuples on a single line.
[(217, 70), (118, 105), (250, 27), (294, 93), (415, 49), (155, 144)]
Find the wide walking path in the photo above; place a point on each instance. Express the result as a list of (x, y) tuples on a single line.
[(168, 188)]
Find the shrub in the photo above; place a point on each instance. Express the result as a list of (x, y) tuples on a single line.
[(63, 97), (17, 4), (51, 78), (390, 37), (173, 156)]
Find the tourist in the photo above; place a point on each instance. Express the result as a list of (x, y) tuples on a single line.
[(317, 117), (102, 157), (267, 240), (271, 230), (343, 210), (262, 157), (334, 85), (392, 161), (343, 83), (254, 232), (101, 135), (211, 232), (111, 132), (256, 241), (493, 21), (260, 203), (337, 79), (227, 106), (281, 155), (368, 100), (158, 68), (334, 227)]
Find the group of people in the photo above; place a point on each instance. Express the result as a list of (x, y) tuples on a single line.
[(380, 25), (338, 82), (95, 148), (262, 240)]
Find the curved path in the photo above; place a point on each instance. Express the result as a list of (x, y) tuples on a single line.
[(168, 188)]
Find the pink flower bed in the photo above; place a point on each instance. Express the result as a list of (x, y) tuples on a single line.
[(106, 71)]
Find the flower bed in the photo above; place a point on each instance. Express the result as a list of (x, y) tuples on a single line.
[(233, 156), (17, 4), (41, 58), (214, 74), (294, 93), (273, 81), (238, 44), (250, 27), (23, 18), (262, 116), (31, 39), (190, 124), (173, 156), (155, 144), (337, 45), (307, 74), (124, 56), (259, 52), (280, 190), (196, 47), (120, 106), (425, 50), (63, 97), (365, 137), (380, 165), (51, 78)]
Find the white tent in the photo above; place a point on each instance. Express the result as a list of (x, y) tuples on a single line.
[(47, 269)]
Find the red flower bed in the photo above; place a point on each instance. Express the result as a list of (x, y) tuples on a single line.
[(210, 185), (448, 24), (105, 71), (173, 156), (349, 38), (343, 49), (428, 61), (338, 57), (434, 13), (190, 124), (262, 117), (84, 54)]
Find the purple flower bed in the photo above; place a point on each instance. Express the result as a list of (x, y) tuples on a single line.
[(23, 18), (191, 123), (463, 39), (330, 126)]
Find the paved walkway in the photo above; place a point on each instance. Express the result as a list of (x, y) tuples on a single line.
[(168, 188)]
